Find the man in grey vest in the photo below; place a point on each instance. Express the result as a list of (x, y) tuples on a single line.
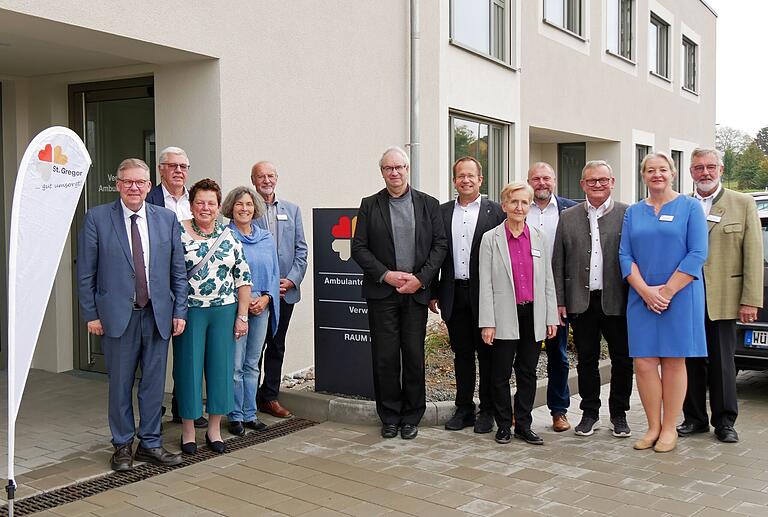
[(592, 295)]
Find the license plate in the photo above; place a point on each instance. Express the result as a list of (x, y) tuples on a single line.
[(756, 339)]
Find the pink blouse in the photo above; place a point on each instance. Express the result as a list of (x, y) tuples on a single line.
[(522, 264)]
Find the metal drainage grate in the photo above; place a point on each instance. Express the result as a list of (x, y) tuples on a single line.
[(78, 491)]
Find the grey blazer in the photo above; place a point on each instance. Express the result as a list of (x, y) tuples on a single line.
[(571, 256), (291, 246), (498, 307)]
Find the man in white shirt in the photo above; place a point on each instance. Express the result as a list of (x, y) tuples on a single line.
[(544, 215), (592, 294), (456, 293), (173, 166)]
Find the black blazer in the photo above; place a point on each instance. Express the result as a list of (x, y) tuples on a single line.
[(491, 215), (374, 250), (155, 196)]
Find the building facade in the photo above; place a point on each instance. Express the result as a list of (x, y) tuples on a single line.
[(321, 88)]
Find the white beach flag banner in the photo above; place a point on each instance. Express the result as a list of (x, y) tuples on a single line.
[(48, 186)]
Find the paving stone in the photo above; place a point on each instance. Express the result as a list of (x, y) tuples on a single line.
[(482, 507)]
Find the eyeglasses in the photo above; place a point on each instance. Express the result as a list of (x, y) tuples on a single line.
[(131, 183), (602, 181), (710, 167), (174, 166), (390, 169)]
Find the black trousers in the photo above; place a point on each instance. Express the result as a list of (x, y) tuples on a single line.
[(522, 355), (717, 372), (272, 371), (398, 325), (587, 329), (466, 341)]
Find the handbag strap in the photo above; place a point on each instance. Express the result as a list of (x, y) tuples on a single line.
[(223, 235)]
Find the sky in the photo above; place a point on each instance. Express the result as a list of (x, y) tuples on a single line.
[(742, 77)]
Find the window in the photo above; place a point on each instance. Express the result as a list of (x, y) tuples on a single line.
[(641, 151), (677, 158), (481, 25), (571, 159), (658, 46), (620, 28), (689, 64), (484, 141), (565, 14)]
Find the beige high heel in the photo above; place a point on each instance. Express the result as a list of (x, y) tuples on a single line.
[(643, 444), (665, 446)]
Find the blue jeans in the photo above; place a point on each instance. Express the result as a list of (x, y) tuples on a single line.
[(246, 374), (558, 394)]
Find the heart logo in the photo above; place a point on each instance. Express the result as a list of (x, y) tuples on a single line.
[(343, 229), (343, 248), (46, 155), (58, 155)]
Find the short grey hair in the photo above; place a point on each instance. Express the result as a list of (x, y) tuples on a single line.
[(228, 206), (663, 156), (541, 165), (704, 151), (133, 163), (507, 191), (171, 150), (593, 164), (395, 149)]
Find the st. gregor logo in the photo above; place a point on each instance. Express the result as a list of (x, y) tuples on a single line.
[(342, 236)]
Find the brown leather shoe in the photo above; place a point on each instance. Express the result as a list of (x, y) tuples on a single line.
[(560, 423), (273, 407)]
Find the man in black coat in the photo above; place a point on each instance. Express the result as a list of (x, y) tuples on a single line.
[(455, 294), (399, 243)]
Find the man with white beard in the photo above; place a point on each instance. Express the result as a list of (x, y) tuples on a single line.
[(733, 283)]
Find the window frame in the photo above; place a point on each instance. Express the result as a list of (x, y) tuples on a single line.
[(661, 47), (495, 173), (573, 14), (677, 157), (642, 191), (499, 32), (690, 65)]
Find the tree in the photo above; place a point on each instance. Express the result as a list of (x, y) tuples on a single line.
[(761, 139), (728, 138), (730, 159), (750, 171)]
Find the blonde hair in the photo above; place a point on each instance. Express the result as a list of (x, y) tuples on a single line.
[(507, 191), (663, 156)]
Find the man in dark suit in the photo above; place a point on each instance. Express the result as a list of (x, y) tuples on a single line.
[(455, 294), (399, 243), (592, 295), (132, 286), (544, 215), (283, 220), (173, 166)]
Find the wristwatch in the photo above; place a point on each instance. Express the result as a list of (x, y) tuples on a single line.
[(242, 318)]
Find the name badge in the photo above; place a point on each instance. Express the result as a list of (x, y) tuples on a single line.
[(282, 217), (666, 218), (714, 218), (535, 252), (193, 246)]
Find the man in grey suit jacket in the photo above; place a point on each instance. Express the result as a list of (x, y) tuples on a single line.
[(132, 286), (592, 295), (283, 220), (456, 293)]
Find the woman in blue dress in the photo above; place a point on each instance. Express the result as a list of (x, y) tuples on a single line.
[(663, 249)]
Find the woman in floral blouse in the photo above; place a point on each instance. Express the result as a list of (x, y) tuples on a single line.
[(219, 292)]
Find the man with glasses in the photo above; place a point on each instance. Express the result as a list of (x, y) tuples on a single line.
[(733, 284), (283, 220), (135, 308), (399, 243), (173, 166), (544, 215), (592, 295), (457, 293)]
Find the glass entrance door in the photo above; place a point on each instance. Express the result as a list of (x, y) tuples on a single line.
[(116, 120)]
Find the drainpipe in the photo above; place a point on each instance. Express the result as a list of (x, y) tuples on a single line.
[(414, 144)]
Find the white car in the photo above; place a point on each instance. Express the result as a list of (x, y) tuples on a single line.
[(761, 200)]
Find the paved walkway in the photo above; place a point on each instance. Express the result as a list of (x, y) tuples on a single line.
[(333, 469)]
